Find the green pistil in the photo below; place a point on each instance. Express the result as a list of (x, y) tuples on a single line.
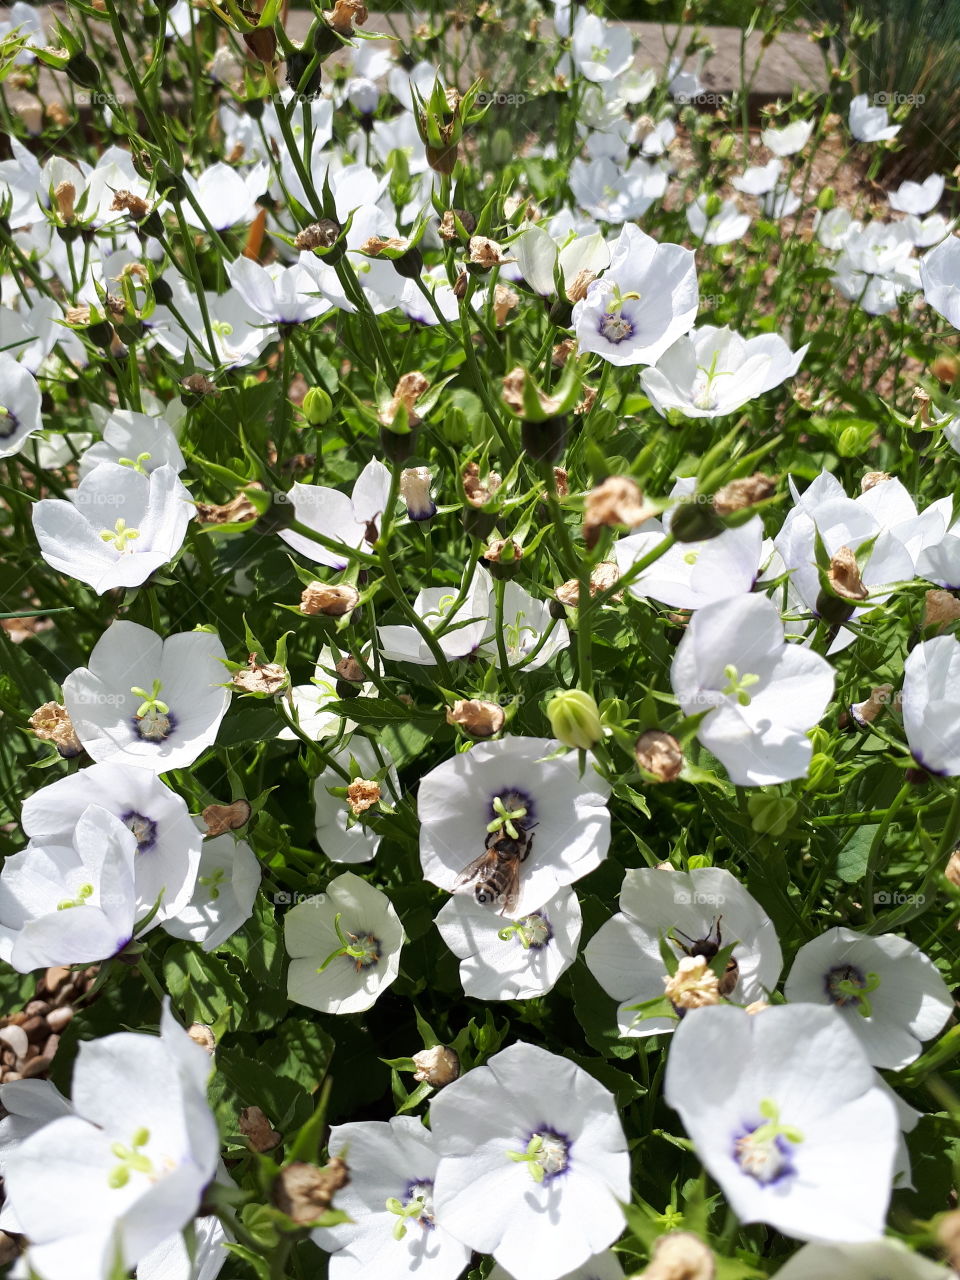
[(119, 535), (131, 1160), (852, 992), (363, 950), (151, 701), (83, 893), (529, 930), (773, 1129), (135, 463), (531, 1157), (412, 1209), (212, 883), (737, 685), (506, 818)]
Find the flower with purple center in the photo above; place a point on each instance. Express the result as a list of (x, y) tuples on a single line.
[(533, 1162), (789, 1117)]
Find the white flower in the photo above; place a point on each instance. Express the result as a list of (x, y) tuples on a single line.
[(228, 878), (727, 225), (928, 231), (19, 405), (608, 191), (393, 1232), (168, 843), (308, 702), (835, 227), (117, 528), (887, 1258), (781, 202), (70, 903), (344, 946), (761, 693), (339, 838), (459, 628), (153, 703), (134, 438), (869, 124), (786, 1113), (603, 1266), (351, 522), (415, 492), (538, 256), (26, 22), (699, 910), (889, 993), (876, 265), (107, 1184), (711, 371), (285, 295), (789, 140), (645, 301), (237, 330), (600, 50), (931, 704), (225, 197), (525, 623), (917, 197), (940, 276), (533, 1162), (758, 180), (465, 802), (511, 961)]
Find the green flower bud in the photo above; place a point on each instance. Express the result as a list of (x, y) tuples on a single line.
[(317, 406), (822, 772), (826, 199), (770, 814), (695, 522), (575, 719)]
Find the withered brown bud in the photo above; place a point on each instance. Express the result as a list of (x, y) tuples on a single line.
[(438, 1066), (220, 818), (448, 226), (201, 1034), (680, 1256), (743, 493), (844, 575), (262, 43), (345, 15), (946, 369), (362, 794), (304, 1193), (864, 713), (257, 1130), (586, 403), (563, 351), (504, 301), (319, 235), (238, 510), (616, 503), (479, 719), (260, 677), (952, 872), (407, 392), (199, 385), (65, 194), (872, 479), (460, 286), (479, 492), (660, 755), (52, 723), (349, 669), (127, 202), (562, 482), (78, 315), (485, 252), (577, 289), (604, 575), (940, 608), (331, 599), (503, 551), (922, 400), (376, 245), (443, 159)]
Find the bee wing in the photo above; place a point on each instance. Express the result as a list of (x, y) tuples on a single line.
[(511, 893), (471, 872)]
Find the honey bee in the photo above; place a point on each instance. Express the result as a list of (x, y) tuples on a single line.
[(495, 875), (708, 947)]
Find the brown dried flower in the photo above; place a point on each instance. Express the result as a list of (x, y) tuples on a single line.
[(362, 795), (616, 503), (659, 754), (479, 719), (746, 492), (52, 723), (844, 575), (304, 1193), (331, 599)]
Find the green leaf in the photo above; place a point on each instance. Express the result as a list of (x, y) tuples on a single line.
[(852, 858)]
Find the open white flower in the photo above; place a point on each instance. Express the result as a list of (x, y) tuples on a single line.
[(526, 621), (225, 197), (538, 256), (458, 619), (148, 702), (931, 704), (340, 837), (758, 180), (135, 439), (349, 521), (19, 405), (393, 1232), (789, 1118), (117, 528), (940, 277), (762, 694), (600, 50), (168, 843), (789, 140), (887, 1258), (603, 1266), (283, 295), (712, 371), (606, 190), (228, 878), (70, 903), (723, 227), (511, 960), (918, 198), (888, 992), (690, 575), (533, 1162), (308, 702), (640, 306), (238, 332), (700, 911), (344, 946), (468, 801), (106, 1185), (870, 124)]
